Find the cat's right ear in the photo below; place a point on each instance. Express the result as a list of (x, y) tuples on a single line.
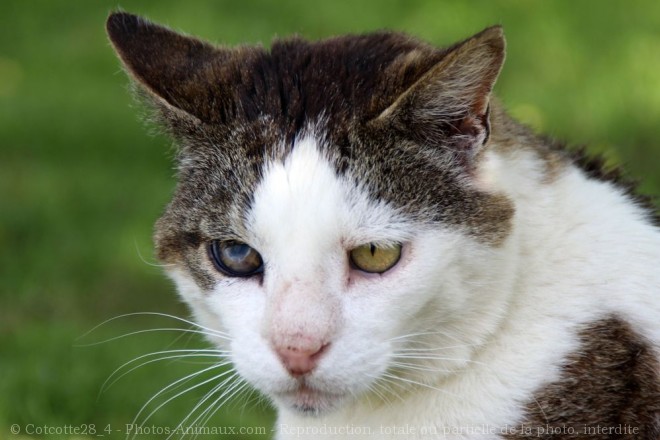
[(177, 72), (448, 107)]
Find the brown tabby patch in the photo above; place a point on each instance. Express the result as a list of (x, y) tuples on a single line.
[(610, 389)]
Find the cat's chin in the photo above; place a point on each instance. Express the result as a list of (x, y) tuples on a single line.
[(310, 401)]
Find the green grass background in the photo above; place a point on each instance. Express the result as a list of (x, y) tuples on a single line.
[(82, 181)]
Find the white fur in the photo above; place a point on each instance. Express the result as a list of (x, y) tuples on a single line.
[(503, 318)]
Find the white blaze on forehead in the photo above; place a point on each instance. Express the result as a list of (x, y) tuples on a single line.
[(299, 207), (303, 212)]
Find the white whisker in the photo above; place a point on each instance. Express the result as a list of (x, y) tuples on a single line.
[(137, 249), (437, 358), (382, 382), (204, 399), (164, 315), (410, 366), (411, 335), (249, 398), (151, 330), (135, 419), (210, 411), (421, 384), (175, 383), (448, 347), (228, 398), (185, 353), (373, 387)]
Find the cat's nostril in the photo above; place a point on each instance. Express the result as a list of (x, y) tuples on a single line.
[(300, 360)]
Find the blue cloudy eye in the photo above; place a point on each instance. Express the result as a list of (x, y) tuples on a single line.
[(235, 259)]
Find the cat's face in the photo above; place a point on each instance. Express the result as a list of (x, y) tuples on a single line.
[(314, 311), (332, 208)]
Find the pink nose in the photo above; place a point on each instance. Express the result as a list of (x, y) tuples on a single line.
[(300, 360)]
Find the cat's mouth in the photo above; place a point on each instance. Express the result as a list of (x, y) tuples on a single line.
[(310, 400)]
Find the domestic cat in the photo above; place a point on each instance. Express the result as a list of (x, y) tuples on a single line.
[(385, 253)]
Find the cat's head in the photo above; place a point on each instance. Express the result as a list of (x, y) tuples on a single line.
[(332, 215)]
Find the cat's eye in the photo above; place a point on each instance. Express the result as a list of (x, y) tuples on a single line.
[(235, 259), (375, 259)]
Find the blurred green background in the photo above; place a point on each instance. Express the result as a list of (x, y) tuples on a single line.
[(82, 180)]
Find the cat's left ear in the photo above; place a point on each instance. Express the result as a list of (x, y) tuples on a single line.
[(179, 74), (449, 105)]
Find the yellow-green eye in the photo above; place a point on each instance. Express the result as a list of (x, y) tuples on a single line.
[(375, 259), (235, 259)]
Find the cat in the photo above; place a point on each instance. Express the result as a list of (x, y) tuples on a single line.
[(385, 253)]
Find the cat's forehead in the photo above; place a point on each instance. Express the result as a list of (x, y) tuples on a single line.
[(296, 82), (235, 189)]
